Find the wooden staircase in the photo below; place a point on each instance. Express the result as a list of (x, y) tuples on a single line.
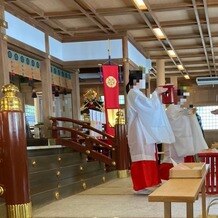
[(61, 173), (56, 173), (79, 162)]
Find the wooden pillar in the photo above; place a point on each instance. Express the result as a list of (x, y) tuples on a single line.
[(75, 95), (47, 98), (47, 101), (148, 83), (174, 81), (160, 64), (14, 155), (4, 70), (125, 69), (122, 151)]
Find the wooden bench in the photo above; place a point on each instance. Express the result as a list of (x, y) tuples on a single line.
[(181, 190)]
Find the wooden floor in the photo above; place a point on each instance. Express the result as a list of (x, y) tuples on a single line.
[(115, 199)]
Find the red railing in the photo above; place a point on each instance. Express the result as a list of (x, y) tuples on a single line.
[(102, 148), (211, 157)]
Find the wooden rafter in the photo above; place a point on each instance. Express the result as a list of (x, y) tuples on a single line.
[(81, 20), (201, 34), (210, 35), (99, 17), (40, 12), (90, 17), (151, 27), (13, 9)]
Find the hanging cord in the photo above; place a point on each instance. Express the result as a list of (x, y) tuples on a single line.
[(213, 202)]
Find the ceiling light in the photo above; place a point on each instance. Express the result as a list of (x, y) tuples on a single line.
[(180, 67), (187, 76), (140, 4), (158, 32), (171, 53)]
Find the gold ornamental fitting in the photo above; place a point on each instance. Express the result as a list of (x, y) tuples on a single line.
[(87, 151), (34, 163), (103, 179), (1, 190), (122, 174), (10, 102), (90, 95), (120, 117), (84, 185), (113, 163), (57, 195), (58, 173), (19, 210)]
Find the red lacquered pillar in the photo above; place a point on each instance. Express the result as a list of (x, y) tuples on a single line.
[(14, 155), (122, 152)]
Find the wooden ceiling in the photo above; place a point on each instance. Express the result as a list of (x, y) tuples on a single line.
[(190, 27)]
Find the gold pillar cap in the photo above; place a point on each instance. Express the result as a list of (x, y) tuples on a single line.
[(10, 102)]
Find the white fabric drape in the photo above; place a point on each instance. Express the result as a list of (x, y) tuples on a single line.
[(147, 125), (188, 135)]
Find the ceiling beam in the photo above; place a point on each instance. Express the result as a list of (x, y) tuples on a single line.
[(201, 34), (93, 20), (175, 37), (79, 14), (210, 35), (88, 63), (188, 55), (94, 36), (179, 6), (182, 47), (119, 28), (178, 60), (121, 10), (147, 22), (16, 11), (129, 10), (40, 12), (99, 17)]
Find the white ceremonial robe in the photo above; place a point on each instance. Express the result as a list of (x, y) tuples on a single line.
[(198, 138), (188, 135), (147, 125)]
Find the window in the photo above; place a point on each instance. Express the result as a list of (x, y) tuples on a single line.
[(209, 121), (24, 32), (30, 114), (121, 99)]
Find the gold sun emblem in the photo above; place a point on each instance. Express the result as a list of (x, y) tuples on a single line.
[(111, 82)]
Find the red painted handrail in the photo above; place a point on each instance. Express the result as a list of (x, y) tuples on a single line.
[(95, 148)]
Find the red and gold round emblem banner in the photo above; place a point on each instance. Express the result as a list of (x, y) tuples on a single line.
[(111, 81)]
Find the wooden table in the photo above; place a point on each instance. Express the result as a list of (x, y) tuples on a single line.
[(181, 190)]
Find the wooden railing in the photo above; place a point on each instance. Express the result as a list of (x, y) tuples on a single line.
[(102, 148)]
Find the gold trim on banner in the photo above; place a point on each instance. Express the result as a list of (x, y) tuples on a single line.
[(10, 102), (19, 210), (120, 117)]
